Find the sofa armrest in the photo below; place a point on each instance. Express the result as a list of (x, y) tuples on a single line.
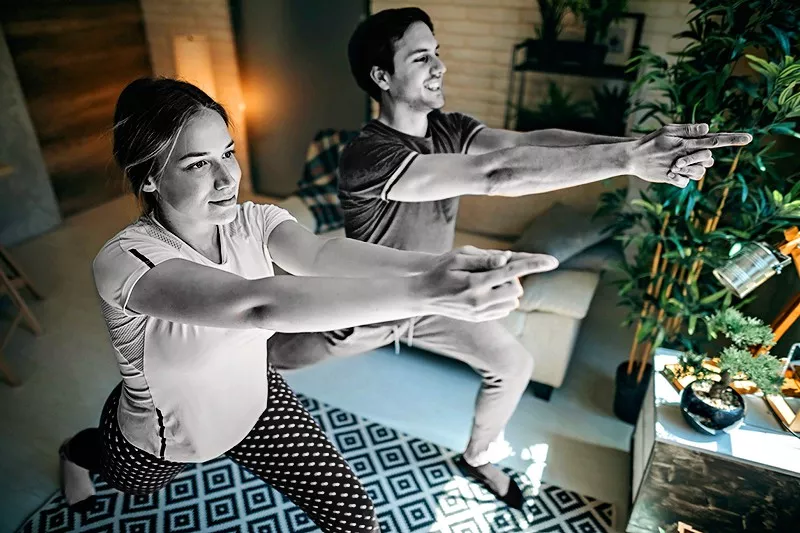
[(562, 292), (299, 210)]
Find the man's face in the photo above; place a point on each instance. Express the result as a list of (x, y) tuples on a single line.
[(418, 71)]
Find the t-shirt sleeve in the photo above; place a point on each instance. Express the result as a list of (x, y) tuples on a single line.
[(264, 218), (123, 261), (370, 167), (463, 128)]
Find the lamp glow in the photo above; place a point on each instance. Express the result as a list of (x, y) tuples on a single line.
[(193, 62)]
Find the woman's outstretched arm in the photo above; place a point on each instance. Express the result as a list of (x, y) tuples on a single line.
[(462, 286), (302, 253)]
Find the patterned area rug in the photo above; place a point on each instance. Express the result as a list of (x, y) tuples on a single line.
[(415, 485)]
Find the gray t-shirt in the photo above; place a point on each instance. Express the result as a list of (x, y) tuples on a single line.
[(372, 164)]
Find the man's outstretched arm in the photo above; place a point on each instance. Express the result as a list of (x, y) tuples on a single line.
[(673, 154), (491, 139)]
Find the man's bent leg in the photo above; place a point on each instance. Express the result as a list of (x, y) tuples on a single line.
[(290, 351), (501, 360)]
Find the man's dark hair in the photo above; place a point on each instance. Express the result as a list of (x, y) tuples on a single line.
[(372, 43)]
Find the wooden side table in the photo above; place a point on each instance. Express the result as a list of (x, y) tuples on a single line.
[(747, 480)]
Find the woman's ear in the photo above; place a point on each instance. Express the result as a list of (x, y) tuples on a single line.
[(149, 185)]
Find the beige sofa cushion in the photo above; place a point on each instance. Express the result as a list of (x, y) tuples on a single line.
[(563, 232), (300, 211), (507, 217), (550, 339), (562, 292), (463, 238)]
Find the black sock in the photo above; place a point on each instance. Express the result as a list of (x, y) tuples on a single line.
[(84, 449)]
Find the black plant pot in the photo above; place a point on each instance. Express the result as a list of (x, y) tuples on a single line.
[(707, 418), (628, 394)]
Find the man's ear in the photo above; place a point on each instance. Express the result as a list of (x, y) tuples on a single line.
[(149, 185), (380, 77)]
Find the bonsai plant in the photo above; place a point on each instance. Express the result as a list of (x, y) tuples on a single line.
[(709, 403), (678, 236)]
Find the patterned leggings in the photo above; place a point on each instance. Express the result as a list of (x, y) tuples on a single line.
[(286, 448)]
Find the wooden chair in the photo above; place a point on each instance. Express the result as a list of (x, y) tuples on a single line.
[(12, 279)]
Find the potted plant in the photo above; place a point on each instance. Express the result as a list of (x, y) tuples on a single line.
[(676, 237), (610, 109), (709, 403), (547, 49), (557, 111), (597, 16)]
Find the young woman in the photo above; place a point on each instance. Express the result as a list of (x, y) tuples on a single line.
[(190, 299)]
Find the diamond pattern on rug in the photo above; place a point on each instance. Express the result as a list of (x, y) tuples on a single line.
[(414, 484)]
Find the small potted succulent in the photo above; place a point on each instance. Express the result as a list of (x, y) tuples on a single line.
[(709, 403)]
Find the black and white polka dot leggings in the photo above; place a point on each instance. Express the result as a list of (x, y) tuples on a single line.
[(286, 448)]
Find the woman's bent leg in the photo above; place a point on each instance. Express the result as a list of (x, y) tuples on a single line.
[(126, 467), (79, 457), (104, 450), (288, 450)]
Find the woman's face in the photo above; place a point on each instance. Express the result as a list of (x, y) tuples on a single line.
[(200, 182)]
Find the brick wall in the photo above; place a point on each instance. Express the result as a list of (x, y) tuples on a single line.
[(477, 36), (166, 18)]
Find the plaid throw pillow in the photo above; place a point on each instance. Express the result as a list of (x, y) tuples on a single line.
[(319, 186)]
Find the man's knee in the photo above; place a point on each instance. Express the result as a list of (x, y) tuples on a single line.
[(291, 351), (513, 364)]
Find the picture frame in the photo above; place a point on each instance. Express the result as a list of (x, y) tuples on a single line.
[(624, 37)]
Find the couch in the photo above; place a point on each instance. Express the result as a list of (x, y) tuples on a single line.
[(553, 305)]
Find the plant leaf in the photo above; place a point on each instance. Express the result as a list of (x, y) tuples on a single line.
[(713, 297), (782, 39)]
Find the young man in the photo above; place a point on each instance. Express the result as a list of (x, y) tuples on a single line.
[(399, 184)]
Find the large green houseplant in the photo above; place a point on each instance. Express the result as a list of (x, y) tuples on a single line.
[(680, 235)]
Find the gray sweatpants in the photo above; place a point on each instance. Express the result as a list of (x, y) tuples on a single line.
[(488, 347)]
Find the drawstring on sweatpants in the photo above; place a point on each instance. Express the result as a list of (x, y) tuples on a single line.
[(396, 339), (396, 335)]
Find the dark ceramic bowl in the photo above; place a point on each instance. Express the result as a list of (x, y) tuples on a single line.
[(706, 418)]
